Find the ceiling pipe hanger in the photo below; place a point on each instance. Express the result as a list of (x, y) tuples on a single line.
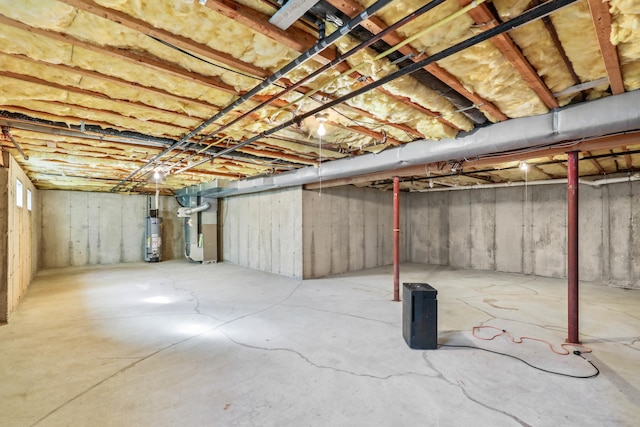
[(339, 59), (300, 60), (531, 15)]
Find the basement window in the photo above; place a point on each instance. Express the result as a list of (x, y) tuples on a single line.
[(19, 193), (28, 199)]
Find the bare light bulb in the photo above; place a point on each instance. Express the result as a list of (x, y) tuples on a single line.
[(524, 166), (156, 175), (321, 130)]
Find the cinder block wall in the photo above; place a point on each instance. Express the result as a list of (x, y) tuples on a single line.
[(264, 231), (86, 228), (524, 230), (19, 237)]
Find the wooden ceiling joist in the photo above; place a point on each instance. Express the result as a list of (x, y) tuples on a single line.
[(80, 91), (362, 130), (125, 55), (300, 41), (595, 163), (602, 23), (553, 33), (118, 81), (166, 36), (627, 159), (294, 38), (540, 170), (375, 25), (483, 16)]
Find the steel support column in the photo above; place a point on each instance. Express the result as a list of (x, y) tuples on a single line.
[(572, 250), (396, 238)]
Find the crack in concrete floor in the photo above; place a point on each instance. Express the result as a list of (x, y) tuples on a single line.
[(465, 392), (319, 366), (198, 310)]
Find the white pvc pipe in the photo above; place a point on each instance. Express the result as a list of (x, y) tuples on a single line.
[(596, 183)]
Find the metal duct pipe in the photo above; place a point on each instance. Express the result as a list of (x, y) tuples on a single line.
[(605, 116), (300, 60), (200, 208)]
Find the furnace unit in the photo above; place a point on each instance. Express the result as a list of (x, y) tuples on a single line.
[(200, 228)]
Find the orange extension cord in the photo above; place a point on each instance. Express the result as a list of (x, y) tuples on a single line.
[(520, 340)]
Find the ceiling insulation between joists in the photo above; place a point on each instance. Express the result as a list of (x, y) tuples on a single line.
[(104, 63)]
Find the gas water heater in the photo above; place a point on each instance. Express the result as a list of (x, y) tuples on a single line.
[(153, 235)]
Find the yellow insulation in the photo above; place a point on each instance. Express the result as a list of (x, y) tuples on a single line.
[(577, 34), (481, 69), (625, 35)]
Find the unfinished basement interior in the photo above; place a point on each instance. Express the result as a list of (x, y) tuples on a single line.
[(319, 212)]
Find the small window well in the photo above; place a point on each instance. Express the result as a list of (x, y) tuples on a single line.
[(18, 193)]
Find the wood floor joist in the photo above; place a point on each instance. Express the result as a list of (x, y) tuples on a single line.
[(166, 36), (375, 25), (126, 55), (602, 23), (483, 16)]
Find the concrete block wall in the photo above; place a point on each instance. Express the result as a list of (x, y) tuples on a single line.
[(19, 237), (348, 229), (263, 231), (86, 228), (524, 230)]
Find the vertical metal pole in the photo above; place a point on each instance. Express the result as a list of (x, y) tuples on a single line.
[(572, 250), (396, 238)]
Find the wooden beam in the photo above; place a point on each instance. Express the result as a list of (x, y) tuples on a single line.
[(294, 38), (551, 29), (126, 55), (77, 120), (73, 89), (4, 158), (539, 170), (406, 101), (602, 23), (375, 25), (482, 15), (300, 41), (595, 163), (362, 130), (174, 39), (118, 81), (278, 155), (627, 158)]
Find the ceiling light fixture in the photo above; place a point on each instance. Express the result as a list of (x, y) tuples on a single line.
[(524, 166), (156, 176), (322, 119)]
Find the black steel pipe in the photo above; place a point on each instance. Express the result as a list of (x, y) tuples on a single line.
[(304, 57), (339, 59), (531, 15)]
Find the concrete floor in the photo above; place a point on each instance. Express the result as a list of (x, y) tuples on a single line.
[(219, 345)]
